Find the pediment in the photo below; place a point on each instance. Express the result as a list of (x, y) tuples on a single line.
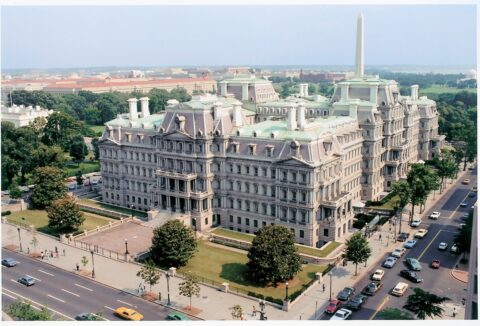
[(177, 135), (108, 141), (294, 161)]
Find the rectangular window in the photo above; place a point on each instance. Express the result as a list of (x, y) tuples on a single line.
[(231, 218), (206, 220), (325, 232), (247, 221), (302, 234), (239, 220), (264, 223), (255, 223)]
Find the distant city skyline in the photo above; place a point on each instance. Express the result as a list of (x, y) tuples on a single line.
[(95, 36)]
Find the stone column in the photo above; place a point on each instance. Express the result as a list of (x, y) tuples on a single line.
[(245, 92)]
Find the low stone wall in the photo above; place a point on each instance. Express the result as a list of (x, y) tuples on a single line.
[(102, 228)]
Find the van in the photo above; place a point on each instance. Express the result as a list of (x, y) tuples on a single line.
[(400, 289)]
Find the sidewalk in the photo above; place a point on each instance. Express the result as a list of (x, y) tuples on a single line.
[(212, 303)]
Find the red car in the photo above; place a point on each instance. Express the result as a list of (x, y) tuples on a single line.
[(435, 264), (333, 306)]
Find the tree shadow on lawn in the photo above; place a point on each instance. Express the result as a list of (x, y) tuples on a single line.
[(237, 273)]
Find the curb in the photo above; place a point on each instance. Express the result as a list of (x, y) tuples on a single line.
[(111, 287)]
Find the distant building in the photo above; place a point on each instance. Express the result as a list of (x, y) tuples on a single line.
[(331, 77), (21, 116), (136, 74)]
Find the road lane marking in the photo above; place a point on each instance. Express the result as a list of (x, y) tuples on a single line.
[(131, 305), (83, 287), (38, 304), (379, 307), (45, 272), (456, 209), (35, 278), (71, 293), (8, 295), (109, 308), (51, 296), (429, 244)]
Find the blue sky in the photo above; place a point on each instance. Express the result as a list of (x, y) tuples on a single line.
[(59, 37)]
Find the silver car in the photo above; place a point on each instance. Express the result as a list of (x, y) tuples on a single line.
[(389, 262)]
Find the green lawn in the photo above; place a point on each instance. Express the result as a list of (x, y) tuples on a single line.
[(230, 266), (97, 129), (437, 89), (86, 167), (98, 204), (302, 249), (39, 219)]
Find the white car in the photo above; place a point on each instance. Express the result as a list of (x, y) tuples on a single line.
[(341, 314), (421, 233), (378, 275), (415, 222), (464, 204), (397, 253), (435, 215), (443, 246), (389, 262), (400, 289)]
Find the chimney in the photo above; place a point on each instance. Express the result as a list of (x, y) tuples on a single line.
[(132, 104), (217, 108), (359, 52), (344, 91), (144, 103), (414, 92), (301, 115), (373, 93), (237, 115), (292, 118), (223, 88), (305, 90)]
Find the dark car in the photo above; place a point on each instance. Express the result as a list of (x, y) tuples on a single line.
[(9, 262), (411, 276), (26, 280), (402, 237), (356, 302), (372, 288), (87, 316), (346, 293)]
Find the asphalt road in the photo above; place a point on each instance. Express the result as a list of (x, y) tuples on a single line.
[(68, 294), (438, 281)]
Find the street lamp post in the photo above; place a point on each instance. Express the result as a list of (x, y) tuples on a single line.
[(20, 239), (261, 303), (93, 265), (330, 274), (168, 288), (286, 291), (366, 229), (126, 247)]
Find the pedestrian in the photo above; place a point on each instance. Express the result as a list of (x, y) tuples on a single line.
[(28, 250), (64, 251), (380, 236), (463, 301), (51, 254), (254, 311), (78, 267), (454, 311), (323, 287), (242, 317), (41, 254), (56, 250)]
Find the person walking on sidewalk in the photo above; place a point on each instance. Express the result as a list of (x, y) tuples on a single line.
[(64, 251), (323, 287), (454, 311), (254, 311)]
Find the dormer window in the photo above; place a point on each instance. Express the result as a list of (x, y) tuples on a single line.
[(269, 150), (251, 149), (235, 148)]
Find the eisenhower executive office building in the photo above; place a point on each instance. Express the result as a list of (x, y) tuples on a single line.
[(303, 162)]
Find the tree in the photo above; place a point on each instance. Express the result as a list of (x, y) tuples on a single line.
[(24, 311), (78, 149), (424, 304), (273, 257), (357, 249), (393, 314), (285, 92), (49, 186), (446, 166), (96, 150), (79, 176), (15, 191), (421, 181), (237, 311), (34, 241), (60, 128), (173, 244), (64, 214), (84, 261), (312, 89), (401, 190), (189, 287), (463, 238), (149, 273)]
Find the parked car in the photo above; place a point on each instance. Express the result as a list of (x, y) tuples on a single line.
[(411, 276), (464, 204), (472, 194), (357, 301), (342, 314), (410, 244), (464, 216), (372, 288), (466, 181), (421, 233), (415, 222), (434, 215), (333, 306), (443, 246), (403, 236), (398, 252), (9, 262), (400, 289), (87, 316), (346, 293), (474, 188), (413, 264), (26, 280), (435, 264), (389, 262), (174, 315), (128, 313), (378, 275), (454, 249)]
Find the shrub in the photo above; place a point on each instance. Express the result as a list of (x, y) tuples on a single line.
[(6, 213)]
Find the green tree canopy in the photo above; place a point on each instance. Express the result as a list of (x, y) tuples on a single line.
[(273, 257), (189, 287), (464, 237), (424, 304), (24, 311), (149, 273), (173, 244), (64, 214), (49, 186), (60, 129), (78, 149), (15, 192), (357, 249)]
